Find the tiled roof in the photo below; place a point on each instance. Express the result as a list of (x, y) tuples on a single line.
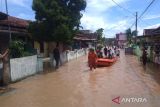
[(2, 16), (15, 22), (148, 31), (89, 36), (156, 31)]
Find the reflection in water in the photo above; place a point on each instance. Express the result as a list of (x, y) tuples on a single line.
[(92, 80), (74, 85)]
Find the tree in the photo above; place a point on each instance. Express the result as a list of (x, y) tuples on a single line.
[(130, 34), (56, 20), (99, 33)]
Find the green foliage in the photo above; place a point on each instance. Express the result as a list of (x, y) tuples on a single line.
[(130, 34), (99, 46), (56, 20), (25, 53), (99, 33), (17, 49)]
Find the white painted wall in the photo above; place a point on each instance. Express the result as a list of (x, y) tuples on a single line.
[(26, 66), (75, 54), (68, 56), (23, 67), (71, 55)]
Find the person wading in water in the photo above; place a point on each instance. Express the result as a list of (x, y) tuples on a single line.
[(56, 55), (92, 57), (144, 57), (105, 51)]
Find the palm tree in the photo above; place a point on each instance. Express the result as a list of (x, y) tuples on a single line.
[(130, 35)]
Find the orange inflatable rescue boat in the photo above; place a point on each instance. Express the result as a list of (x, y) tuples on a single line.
[(105, 62)]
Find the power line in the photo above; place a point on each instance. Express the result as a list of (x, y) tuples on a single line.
[(146, 9), (125, 10), (133, 24), (118, 25), (143, 12), (146, 22), (123, 7)]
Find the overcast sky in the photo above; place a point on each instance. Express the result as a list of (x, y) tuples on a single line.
[(101, 14)]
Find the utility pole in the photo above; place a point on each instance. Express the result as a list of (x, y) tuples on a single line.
[(6, 66), (136, 23), (9, 28)]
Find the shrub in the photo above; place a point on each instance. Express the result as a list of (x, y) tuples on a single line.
[(17, 49)]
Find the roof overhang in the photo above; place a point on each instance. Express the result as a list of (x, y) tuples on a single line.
[(3, 16)]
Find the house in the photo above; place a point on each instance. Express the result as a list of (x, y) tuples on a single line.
[(150, 36), (121, 39), (84, 39), (148, 31), (12, 28), (150, 39)]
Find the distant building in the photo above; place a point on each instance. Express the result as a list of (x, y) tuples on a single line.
[(121, 39), (84, 39), (110, 41), (148, 31)]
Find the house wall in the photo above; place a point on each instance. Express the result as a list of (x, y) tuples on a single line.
[(48, 48), (45, 52), (4, 42), (37, 46), (52, 45)]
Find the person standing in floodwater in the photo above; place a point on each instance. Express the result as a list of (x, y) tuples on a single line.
[(105, 51), (92, 57), (56, 55), (144, 57)]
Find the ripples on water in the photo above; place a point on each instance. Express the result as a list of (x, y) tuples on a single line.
[(74, 85)]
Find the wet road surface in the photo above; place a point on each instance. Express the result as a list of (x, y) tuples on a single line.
[(73, 85)]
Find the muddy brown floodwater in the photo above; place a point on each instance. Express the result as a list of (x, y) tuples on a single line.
[(73, 85)]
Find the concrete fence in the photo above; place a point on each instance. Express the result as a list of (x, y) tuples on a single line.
[(71, 55), (23, 67), (75, 54), (68, 56), (27, 66), (63, 57)]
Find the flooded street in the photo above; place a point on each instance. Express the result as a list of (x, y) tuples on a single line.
[(73, 85)]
